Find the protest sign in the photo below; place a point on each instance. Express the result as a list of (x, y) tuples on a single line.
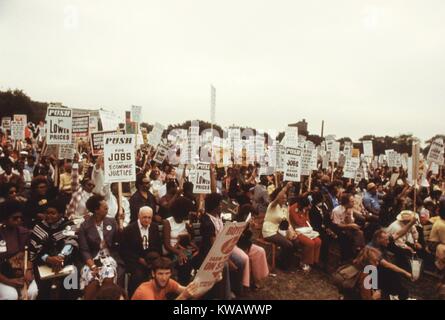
[(136, 112), (59, 126), (391, 158), (94, 124), (119, 156), (292, 167), (436, 149), (335, 151), (202, 179), (368, 150), (109, 121), (347, 150), (161, 153), (6, 123), (97, 141), (291, 137), (155, 136), (81, 126), (218, 255), (66, 151), (308, 162), (351, 167), (17, 130), (21, 118)]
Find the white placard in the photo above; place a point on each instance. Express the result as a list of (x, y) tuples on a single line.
[(110, 121), (155, 136), (94, 124), (17, 130), (368, 150), (66, 151), (351, 167), (218, 255), (201, 183), (59, 125), (161, 153), (335, 151), (435, 152), (6, 123), (119, 156), (292, 167), (136, 112)]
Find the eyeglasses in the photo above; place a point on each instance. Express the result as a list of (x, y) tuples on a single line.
[(15, 218)]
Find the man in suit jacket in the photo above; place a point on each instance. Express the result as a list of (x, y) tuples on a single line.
[(142, 197), (141, 242)]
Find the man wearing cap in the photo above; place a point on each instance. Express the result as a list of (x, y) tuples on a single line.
[(371, 199), (407, 245)]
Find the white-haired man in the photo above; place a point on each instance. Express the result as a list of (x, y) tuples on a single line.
[(141, 243)]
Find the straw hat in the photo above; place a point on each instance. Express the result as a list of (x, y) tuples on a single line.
[(405, 215)]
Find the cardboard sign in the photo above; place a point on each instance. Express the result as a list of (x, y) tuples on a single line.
[(155, 136), (291, 137), (6, 123), (81, 126), (119, 156), (59, 125), (94, 124), (97, 141), (368, 150), (292, 168), (391, 157), (351, 167), (308, 162), (17, 130), (136, 112), (335, 151), (66, 151), (201, 183), (21, 118), (110, 121), (347, 150), (435, 152), (161, 153), (218, 255)]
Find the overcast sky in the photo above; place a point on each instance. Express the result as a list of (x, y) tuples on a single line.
[(362, 66)]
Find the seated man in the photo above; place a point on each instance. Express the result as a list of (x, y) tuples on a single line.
[(161, 286), (140, 239), (408, 244)]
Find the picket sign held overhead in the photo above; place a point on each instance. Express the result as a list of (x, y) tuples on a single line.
[(97, 141), (368, 150), (201, 182), (351, 167), (155, 136), (17, 130), (292, 168), (119, 158), (59, 126), (110, 121), (435, 152), (161, 153)]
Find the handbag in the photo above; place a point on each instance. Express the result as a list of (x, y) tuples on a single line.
[(346, 277)]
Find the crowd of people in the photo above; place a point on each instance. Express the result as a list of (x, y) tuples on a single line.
[(149, 244)]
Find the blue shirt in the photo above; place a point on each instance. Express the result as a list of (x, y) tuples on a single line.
[(371, 203)]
